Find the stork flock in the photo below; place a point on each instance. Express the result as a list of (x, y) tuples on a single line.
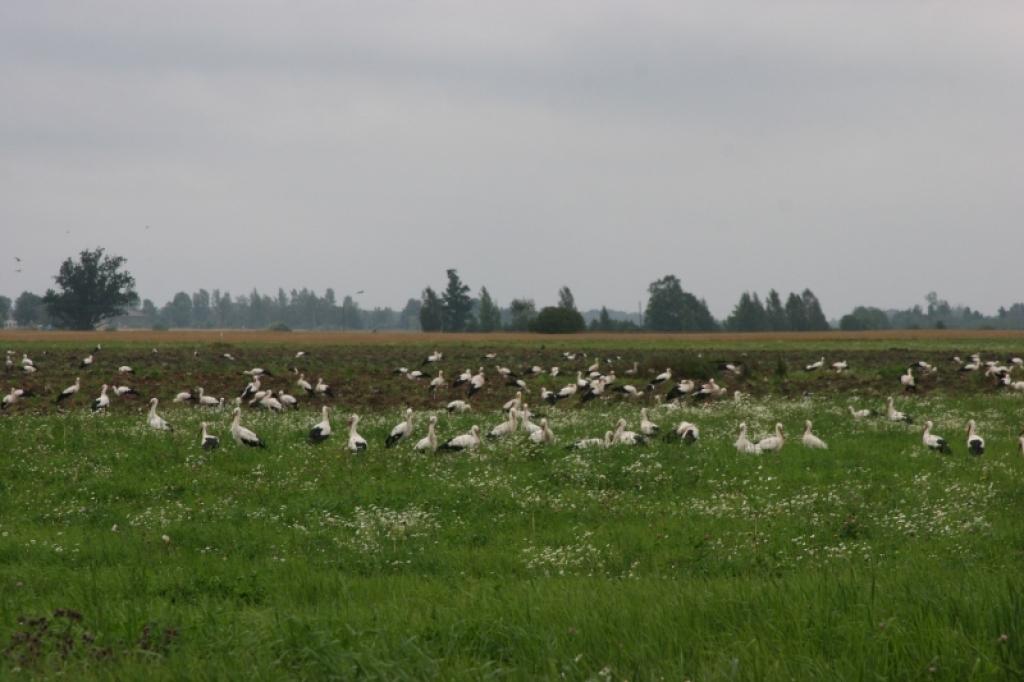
[(598, 380)]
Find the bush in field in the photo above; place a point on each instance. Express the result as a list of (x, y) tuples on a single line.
[(279, 327), (558, 320), (684, 365)]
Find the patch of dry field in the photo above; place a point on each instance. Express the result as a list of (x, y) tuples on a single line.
[(950, 338)]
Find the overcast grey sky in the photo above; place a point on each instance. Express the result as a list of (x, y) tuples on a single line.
[(871, 151)]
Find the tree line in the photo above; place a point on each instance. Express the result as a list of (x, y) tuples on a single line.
[(97, 289)]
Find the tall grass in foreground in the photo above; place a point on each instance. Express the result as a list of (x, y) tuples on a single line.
[(873, 560)]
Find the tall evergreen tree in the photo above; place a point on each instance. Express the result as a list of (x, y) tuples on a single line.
[(431, 311), (489, 314), (457, 303), (795, 313), (775, 313), (748, 315), (816, 320), (565, 299)]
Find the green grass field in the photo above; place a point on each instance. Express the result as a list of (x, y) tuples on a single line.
[(874, 560)]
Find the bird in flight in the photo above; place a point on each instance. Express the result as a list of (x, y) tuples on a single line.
[(17, 259)]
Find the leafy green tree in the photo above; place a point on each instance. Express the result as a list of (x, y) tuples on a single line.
[(775, 313), (489, 314), (5, 309), (29, 310), (178, 311), (671, 309), (864, 318), (457, 303), (604, 321), (795, 313), (201, 308), (431, 311), (522, 312), (558, 320), (410, 315), (91, 290), (816, 321), (565, 299), (351, 315)]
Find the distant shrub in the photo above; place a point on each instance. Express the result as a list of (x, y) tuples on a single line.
[(683, 365), (159, 327), (781, 368), (558, 321), (279, 327)]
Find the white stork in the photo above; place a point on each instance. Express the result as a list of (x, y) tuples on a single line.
[(467, 441), (304, 385), (894, 415), (524, 420), (251, 389), (458, 407), (103, 402), (682, 388), (543, 435), (208, 441), (647, 427), (934, 442), (429, 443), (463, 378), (586, 443), (907, 380), (356, 443), (437, 383), (743, 444), (322, 430), (815, 366), (183, 397), (624, 437), (774, 442), (242, 435), (402, 430), (155, 421), (810, 440), (506, 427), (476, 382), (70, 391), (203, 400), (322, 389), (975, 443), (687, 432)]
